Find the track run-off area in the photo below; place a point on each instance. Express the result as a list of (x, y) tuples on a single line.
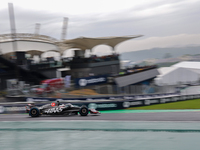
[(115, 130), (117, 115)]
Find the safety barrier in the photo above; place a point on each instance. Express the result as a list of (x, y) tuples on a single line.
[(100, 104), (125, 97)]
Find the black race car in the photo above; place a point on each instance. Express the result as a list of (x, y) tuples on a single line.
[(56, 108)]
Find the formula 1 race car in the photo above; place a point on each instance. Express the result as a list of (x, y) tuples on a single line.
[(56, 108)]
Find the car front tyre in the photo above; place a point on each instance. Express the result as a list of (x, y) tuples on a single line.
[(83, 111)]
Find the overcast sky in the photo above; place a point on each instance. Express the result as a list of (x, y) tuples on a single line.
[(164, 23)]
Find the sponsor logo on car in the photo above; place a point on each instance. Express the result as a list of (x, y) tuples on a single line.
[(53, 110)]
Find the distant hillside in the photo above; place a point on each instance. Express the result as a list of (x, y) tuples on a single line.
[(159, 53), (167, 64)]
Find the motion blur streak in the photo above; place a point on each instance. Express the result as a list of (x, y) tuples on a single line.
[(99, 135)]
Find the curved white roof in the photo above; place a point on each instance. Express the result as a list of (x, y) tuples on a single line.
[(7, 47), (26, 37), (27, 42)]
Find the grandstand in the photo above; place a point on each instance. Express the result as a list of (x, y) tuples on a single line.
[(20, 59), (12, 60)]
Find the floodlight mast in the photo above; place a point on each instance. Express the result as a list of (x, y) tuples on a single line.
[(37, 28), (13, 33), (64, 28)]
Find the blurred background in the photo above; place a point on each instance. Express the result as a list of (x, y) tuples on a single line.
[(105, 50)]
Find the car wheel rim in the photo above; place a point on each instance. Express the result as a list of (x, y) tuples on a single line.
[(34, 112), (83, 110)]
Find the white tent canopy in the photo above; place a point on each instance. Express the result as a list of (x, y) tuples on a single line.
[(188, 64), (177, 75)]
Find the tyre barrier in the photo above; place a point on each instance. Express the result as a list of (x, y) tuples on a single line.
[(6, 108)]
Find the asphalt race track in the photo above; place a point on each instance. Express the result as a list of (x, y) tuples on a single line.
[(113, 130), (153, 116)]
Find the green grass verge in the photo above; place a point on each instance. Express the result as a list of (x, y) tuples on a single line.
[(189, 104)]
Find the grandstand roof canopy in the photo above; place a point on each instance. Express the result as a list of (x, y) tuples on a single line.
[(38, 44), (84, 43)]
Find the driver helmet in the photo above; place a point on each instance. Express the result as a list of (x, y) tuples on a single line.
[(58, 102)]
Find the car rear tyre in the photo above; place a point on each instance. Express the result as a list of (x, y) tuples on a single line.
[(34, 112), (83, 111)]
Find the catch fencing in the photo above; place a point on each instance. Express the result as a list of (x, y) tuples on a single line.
[(104, 89), (135, 89)]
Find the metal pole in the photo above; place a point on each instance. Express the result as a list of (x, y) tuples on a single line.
[(0, 49), (13, 33), (64, 28), (37, 28)]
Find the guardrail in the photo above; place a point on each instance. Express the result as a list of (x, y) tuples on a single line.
[(102, 104)]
